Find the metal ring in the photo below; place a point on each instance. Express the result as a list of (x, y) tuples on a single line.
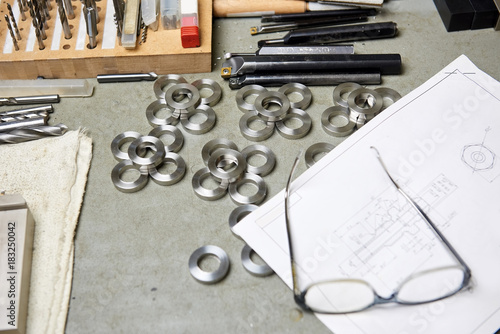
[(170, 178), (208, 194), (255, 135), (264, 151), (388, 94), (256, 198), (302, 90), (225, 155), (165, 80), (295, 133), (204, 276), (149, 141), (214, 144), (344, 88), (260, 270), (333, 130), (126, 186), (365, 96), (176, 145), (238, 214), (210, 84), (156, 106), (118, 141), (192, 94), (265, 99), (245, 92), (316, 149), (199, 128)]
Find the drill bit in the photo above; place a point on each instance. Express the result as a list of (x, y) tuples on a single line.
[(70, 13), (64, 20), (13, 21), (14, 41), (91, 20), (144, 33), (27, 134), (23, 123), (22, 9)]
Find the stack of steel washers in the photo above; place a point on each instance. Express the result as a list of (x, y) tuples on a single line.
[(274, 109), (27, 124), (230, 169), (355, 106)]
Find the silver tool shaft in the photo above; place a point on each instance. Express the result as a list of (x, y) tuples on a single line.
[(90, 16), (13, 20), (19, 124), (129, 77), (27, 134), (64, 22), (47, 109), (10, 101), (22, 9), (12, 118), (14, 41), (70, 13)]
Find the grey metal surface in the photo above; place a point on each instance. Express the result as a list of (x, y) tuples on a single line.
[(131, 270)]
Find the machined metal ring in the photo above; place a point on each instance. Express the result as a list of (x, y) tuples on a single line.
[(226, 157), (191, 93), (146, 141), (165, 80), (204, 276), (315, 149), (388, 94), (127, 186), (362, 97), (204, 193), (156, 106), (344, 89), (333, 130), (296, 133), (255, 135), (302, 90), (170, 178), (209, 84), (176, 145), (263, 151), (256, 198), (118, 141), (260, 270), (245, 92), (214, 144), (238, 214), (265, 100), (199, 128)]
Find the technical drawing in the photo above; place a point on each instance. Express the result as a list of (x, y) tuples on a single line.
[(481, 159)]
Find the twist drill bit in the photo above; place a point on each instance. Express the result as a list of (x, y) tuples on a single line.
[(70, 13), (22, 9), (13, 20), (27, 134), (48, 5), (14, 41), (64, 20), (4, 119), (119, 6)]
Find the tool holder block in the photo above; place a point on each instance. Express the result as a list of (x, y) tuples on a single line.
[(162, 52)]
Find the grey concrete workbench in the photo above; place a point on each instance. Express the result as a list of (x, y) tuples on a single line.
[(131, 250)]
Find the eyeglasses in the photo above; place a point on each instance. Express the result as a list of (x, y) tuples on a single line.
[(346, 295)]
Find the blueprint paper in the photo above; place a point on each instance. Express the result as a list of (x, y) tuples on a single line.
[(441, 143)]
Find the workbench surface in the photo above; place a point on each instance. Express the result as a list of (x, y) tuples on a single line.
[(131, 250)]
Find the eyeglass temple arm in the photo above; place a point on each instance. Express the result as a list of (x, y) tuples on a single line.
[(296, 290), (424, 216)]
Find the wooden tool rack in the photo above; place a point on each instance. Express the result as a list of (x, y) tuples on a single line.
[(161, 53)]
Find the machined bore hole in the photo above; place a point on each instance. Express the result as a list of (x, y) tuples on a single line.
[(256, 258), (248, 189), (130, 175), (205, 92), (257, 124), (226, 165), (293, 123), (295, 97), (319, 155), (209, 263), (338, 120), (256, 160), (198, 118), (167, 168), (365, 101), (209, 183), (272, 104)]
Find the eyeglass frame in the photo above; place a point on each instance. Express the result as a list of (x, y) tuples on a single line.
[(299, 296)]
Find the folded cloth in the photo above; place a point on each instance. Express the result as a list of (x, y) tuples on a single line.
[(50, 174)]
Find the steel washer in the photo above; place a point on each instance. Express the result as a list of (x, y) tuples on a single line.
[(208, 194), (126, 186), (333, 130), (315, 149), (255, 135), (294, 87), (161, 130), (204, 276), (212, 85), (222, 155), (170, 178), (256, 198), (344, 88), (269, 97), (192, 93), (156, 106), (246, 91), (214, 144), (260, 270), (299, 132), (165, 80), (118, 141), (389, 94), (155, 159), (364, 94), (238, 214), (264, 151), (199, 128)]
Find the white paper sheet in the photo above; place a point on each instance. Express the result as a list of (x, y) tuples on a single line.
[(441, 143)]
